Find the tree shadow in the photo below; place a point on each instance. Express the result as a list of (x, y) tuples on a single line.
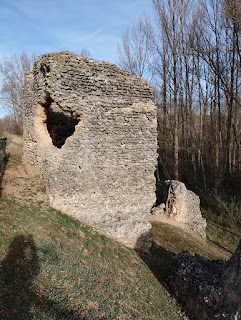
[(18, 299), (160, 261), (162, 264)]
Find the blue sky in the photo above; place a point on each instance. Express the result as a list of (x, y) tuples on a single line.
[(40, 26)]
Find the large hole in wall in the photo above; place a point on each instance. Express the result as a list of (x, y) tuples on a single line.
[(60, 123)]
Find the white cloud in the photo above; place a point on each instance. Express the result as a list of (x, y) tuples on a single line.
[(70, 37), (56, 25)]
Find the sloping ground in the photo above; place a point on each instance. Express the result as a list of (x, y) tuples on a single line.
[(230, 220), (175, 240), (54, 267), (170, 240)]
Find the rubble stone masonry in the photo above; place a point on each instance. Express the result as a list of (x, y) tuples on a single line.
[(90, 129)]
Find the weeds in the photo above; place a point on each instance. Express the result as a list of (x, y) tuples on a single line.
[(227, 215)]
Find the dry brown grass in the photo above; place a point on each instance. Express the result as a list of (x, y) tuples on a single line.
[(14, 147), (175, 240)]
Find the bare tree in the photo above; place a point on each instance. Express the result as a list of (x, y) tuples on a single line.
[(134, 51), (86, 52), (10, 125), (195, 62), (223, 57), (13, 69), (171, 18)]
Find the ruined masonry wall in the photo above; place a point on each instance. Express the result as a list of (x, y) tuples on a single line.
[(104, 172)]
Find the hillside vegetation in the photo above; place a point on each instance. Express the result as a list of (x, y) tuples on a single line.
[(55, 267)]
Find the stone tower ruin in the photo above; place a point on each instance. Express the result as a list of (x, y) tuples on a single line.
[(90, 129)]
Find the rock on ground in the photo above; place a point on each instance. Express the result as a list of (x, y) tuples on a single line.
[(181, 208)]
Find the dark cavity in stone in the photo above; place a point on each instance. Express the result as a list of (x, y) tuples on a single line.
[(60, 123)]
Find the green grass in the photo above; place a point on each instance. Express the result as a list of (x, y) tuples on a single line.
[(55, 267), (175, 240), (170, 240), (228, 216)]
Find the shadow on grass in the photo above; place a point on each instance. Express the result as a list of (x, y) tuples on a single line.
[(162, 264), (160, 261), (18, 300)]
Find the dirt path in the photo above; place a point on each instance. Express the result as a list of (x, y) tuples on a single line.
[(16, 183)]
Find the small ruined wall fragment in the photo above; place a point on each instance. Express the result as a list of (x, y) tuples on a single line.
[(90, 129), (208, 289), (181, 207)]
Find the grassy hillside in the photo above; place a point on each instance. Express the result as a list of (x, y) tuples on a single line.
[(54, 267)]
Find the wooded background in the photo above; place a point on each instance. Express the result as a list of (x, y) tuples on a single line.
[(189, 52)]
